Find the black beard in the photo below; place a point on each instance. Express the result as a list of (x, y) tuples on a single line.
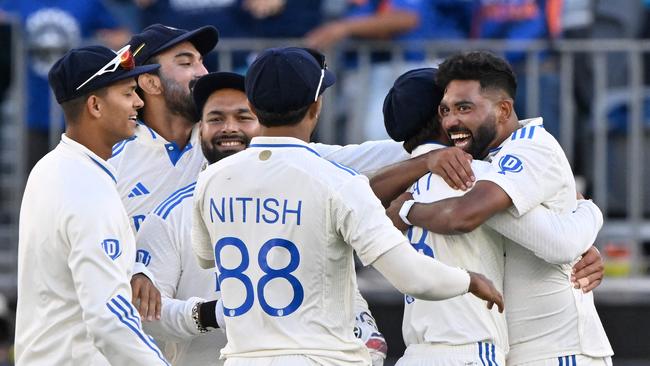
[(213, 154), (178, 100), (485, 134)]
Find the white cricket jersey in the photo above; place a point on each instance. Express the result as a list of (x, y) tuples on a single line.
[(284, 223), (75, 256), (462, 320), (164, 246), (546, 317), (150, 168)]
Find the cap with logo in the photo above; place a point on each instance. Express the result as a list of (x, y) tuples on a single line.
[(286, 79), (157, 38), (86, 69), (411, 102)]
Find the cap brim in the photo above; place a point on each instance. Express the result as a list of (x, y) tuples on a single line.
[(204, 39), (212, 82), (328, 80)]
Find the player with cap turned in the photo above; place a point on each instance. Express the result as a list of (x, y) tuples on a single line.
[(281, 232), (76, 249)]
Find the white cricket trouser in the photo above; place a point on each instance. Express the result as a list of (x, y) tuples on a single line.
[(288, 360), (571, 360), (476, 354)]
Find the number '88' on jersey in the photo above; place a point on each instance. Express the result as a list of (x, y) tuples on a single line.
[(254, 291)]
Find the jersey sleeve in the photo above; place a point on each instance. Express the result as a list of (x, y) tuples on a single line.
[(527, 171), (555, 238), (200, 236), (159, 249), (100, 275), (360, 219), (366, 158)]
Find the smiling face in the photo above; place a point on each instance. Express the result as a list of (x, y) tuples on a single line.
[(469, 116), (179, 66), (121, 102), (227, 124)]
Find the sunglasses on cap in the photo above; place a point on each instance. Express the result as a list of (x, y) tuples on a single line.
[(123, 58)]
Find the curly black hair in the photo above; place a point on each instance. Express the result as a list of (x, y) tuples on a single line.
[(491, 71)]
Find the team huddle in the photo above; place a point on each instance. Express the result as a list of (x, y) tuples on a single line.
[(147, 238)]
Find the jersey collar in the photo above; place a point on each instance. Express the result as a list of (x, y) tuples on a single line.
[(280, 143), (146, 135), (82, 150), (537, 121)]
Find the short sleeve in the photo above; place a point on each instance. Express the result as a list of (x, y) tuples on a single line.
[(527, 170), (362, 221)]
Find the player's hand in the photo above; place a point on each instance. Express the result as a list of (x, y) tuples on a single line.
[(588, 272), (393, 210), (146, 297), (453, 165), (484, 289)]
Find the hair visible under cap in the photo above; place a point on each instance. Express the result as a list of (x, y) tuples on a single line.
[(72, 109), (491, 71), (432, 130), (275, 119)]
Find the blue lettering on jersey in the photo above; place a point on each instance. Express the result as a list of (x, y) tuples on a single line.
[(510, 163), (112, 248), (265, 210), (143, 256), (137, 221)]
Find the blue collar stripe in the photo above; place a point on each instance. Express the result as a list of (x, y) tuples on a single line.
[(286, 145), (103, 168)]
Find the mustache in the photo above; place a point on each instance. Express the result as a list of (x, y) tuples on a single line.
[(458, 129)]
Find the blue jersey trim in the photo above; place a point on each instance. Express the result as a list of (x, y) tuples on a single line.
[(132, 321), (175, 153), (480, 353), (173, 197), (176, 203), (119, 147), (285, 145), (344, 168), (151, 131), (103, 168)]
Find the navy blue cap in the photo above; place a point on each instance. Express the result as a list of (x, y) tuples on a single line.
[(281, 80), (212, 82), (411, 102), (77, 67), (157, 38)]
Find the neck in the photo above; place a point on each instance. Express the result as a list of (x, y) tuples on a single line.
[(299, 131), (171, 126), (91, 139)]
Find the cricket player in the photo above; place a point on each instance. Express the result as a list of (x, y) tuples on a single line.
[(76, 250), (164, 155), (461, 330), (549, 322), (190, 293), (280, 223)]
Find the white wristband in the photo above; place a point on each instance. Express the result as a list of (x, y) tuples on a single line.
[(404, 211), (219, 314)]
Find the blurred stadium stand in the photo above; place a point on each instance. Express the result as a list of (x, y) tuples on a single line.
[(605, 138)]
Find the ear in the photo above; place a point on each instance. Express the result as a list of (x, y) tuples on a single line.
[(94, 106), (505, 108), (150, 84)]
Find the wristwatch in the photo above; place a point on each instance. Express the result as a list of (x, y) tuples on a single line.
[(404, 211)]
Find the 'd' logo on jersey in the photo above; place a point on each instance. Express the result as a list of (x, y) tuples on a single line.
[(510, 163), (112, 248), (142, 256)]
